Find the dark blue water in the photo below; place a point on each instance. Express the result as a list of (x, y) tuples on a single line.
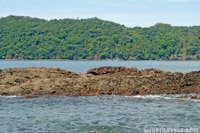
[(99, 114)]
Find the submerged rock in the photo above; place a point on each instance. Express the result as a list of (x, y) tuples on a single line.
[(31, 82)]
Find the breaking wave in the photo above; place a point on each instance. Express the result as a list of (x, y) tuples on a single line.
[(12, 96), (191, 97)]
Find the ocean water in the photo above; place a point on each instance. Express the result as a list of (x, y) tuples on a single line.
[(98, 114), (83, 66), (101, 114)]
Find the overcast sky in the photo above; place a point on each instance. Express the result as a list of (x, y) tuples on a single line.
[(131, 13)]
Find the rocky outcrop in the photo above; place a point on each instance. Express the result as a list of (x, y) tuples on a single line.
[(106, 70), (32, 82)]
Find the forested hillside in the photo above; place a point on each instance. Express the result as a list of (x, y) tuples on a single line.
[(32, 38)]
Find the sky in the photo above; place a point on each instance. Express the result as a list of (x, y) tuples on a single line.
[(131, 13)]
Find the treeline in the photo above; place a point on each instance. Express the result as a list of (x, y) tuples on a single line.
[(33, 38)]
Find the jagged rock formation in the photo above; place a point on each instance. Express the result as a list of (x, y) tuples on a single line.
[(30, 82)]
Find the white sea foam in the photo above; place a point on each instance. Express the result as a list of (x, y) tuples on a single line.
[(149, 96), (168, 97), (12, 96)]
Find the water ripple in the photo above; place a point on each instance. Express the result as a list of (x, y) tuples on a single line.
[(97, 113)]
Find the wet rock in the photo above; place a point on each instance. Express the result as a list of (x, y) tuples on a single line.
[(185, 97), (194, 97), (189, 97)]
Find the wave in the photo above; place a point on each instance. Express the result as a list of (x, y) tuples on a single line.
[(148, 96), (191, 97), (12, 96)]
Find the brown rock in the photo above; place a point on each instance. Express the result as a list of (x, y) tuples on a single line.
[(194, 97), (185, 97), (106, 70), (31, 82)]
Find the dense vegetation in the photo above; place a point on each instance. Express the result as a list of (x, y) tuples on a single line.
[(32, 38)]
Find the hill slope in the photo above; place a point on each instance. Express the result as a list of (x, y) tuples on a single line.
[(32, 38)]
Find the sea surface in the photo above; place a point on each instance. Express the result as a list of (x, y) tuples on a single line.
[(83, 66), (101, 114)]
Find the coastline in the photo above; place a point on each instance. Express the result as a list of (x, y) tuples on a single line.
[(31, 82), (99, 60)]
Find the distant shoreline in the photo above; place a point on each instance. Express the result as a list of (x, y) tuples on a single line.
[(94, 39), (93, 60)]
